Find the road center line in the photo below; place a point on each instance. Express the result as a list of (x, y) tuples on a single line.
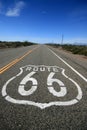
[(3, 69), (69, 66), (8, 65)]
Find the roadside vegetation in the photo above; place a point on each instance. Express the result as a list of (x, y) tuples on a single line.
[(75, 49), (5, 44)]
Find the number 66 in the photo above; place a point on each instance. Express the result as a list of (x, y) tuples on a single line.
[(50, 81)]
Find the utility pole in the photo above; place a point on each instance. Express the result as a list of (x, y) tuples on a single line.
[(52, 41), (62, 39)]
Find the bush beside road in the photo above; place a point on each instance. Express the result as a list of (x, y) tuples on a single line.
[(5, 44), (75, 49)]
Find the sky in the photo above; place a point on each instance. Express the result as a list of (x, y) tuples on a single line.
[(43, 21)]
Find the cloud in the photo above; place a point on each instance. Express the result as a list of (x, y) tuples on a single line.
[(16, 10), (79, 14)]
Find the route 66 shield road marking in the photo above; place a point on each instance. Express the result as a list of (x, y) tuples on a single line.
[(34, 69)]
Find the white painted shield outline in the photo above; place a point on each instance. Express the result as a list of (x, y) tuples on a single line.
[(42, 105)]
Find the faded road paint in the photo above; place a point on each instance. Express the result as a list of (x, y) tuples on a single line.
[(34, 87), (3, 69)]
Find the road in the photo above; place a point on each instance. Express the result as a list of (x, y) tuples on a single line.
[(42, 88)]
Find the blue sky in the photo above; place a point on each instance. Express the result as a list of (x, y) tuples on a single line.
[(43, 20)]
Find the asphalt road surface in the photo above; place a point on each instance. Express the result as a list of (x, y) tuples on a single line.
[(42, 88)]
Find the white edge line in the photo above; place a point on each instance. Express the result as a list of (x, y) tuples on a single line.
[(69, 66)]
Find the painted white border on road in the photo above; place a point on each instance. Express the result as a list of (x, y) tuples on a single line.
[(38, 104), (69, 66)]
